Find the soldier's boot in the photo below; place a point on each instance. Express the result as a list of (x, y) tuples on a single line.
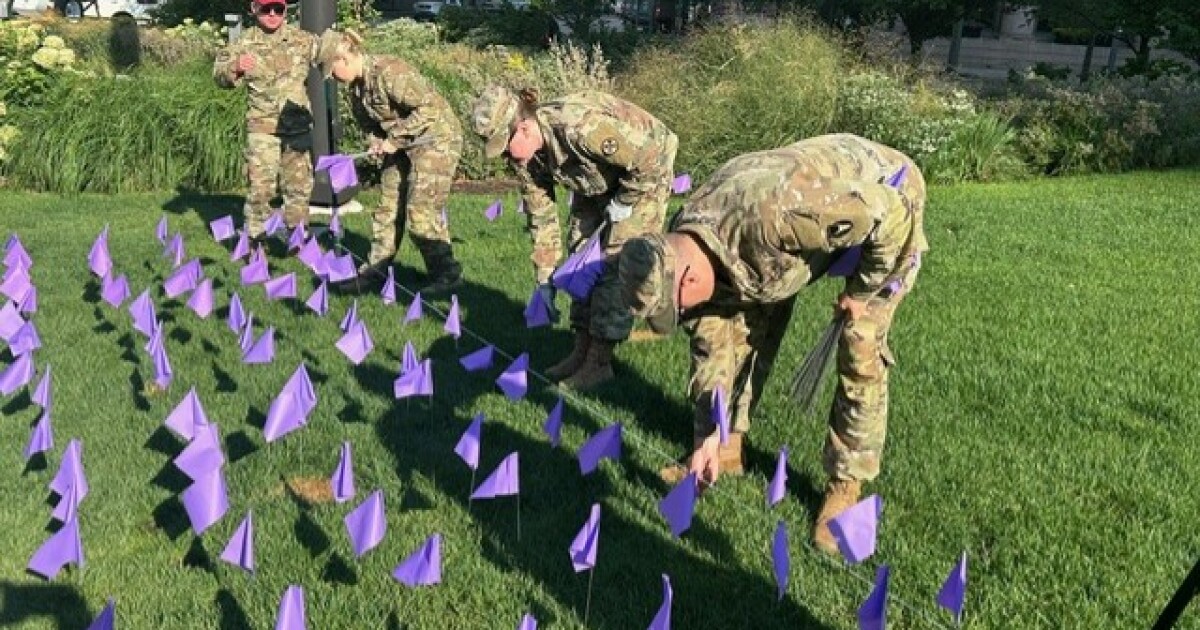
[(730, 461), (573, 361), (370, 278), (596, 369), (445, 272), (839, 495)]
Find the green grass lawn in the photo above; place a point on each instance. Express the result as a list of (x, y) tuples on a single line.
[(1042, 420)]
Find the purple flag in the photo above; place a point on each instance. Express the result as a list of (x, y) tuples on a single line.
[(175, 250), (780, 559), (296, 240), (41, 439), (239, 550), (468, 445), (201, 301), (70, 472), (855, 529), (453, 322), (343, 476), (274, 223), (291, 610), (184, 279), (187, 417), (605, 443), (263, 350), (553, 424), (25, 341), (27, 302), (160, 232), (339, 268), (872, 615), (115, 292), (410, 360), (256, 272), (222, 228), (356, 344), (289, 411), (319, 300), (720, 413), (954, 590), (17, 375), (106, 620), (206, 501), (311, 255), (63, 548), (389, 288), (242, 249), (16, 256), (41, 393), (479, 360), (163, 374), (679, 505), (581, 270), (203, 455), (10, 321), (237, 315), (514, 380), (662, 620), (681, 184), (16, 283), (335, 224), (144, 318), (98, 259), (423, 567), (246, 340), (583, 548), (367, 524), (777, 489), (494, 211), (351, 317), (415, 382), (897, 179), (846, 264), (342, 174), (527, 623), (414, 310), (537, 312), (281, 287)]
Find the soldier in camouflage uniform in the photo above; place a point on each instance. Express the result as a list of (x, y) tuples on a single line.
[(762, 228), (272, 61), (419, 138), (618, 161)]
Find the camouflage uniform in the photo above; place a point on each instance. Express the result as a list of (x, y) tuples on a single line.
[(278, 119), (601, 148), (392, 100), (773, 222)]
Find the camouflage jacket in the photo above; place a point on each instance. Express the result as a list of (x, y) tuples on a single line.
[(275, 92), (776, 219), (597, 144), (395, 101)]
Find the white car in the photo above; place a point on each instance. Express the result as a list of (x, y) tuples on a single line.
[(139, 10)]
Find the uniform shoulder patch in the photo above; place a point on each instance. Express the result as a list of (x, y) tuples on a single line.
[(609, 146)]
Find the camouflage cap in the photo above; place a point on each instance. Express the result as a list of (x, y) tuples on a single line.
[(329, 48), (493, 118), (647, 273)]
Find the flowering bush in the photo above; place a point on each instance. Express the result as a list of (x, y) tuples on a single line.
[(29, 61), (8, 133)]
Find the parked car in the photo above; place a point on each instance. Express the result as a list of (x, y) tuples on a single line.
[(428, 10), (140, 10), (496, 5)]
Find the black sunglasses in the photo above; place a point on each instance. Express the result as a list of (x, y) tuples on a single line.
[(275, 9)]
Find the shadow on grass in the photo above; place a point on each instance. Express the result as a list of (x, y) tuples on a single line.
[(62, 606), (231, 614)]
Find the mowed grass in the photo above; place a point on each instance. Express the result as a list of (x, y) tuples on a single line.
[(1042, 420)]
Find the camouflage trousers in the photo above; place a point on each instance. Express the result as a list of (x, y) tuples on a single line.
[(604, 315), (415, 187), (283, 159), (737, 348)]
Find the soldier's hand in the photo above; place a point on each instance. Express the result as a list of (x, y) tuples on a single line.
[(245, 63), (380, 146), (854, 309), (706, 460)]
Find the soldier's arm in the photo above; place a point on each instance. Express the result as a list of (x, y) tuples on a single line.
[(537, 190), (880, 251), (403, 89), (611, 141), (225, 67)]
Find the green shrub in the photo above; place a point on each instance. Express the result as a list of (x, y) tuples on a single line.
[(175, 12), (31, 62), (527, 28)]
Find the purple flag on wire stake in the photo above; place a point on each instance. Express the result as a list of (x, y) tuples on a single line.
[(514, 380), (342, 174), (662, 619), (335, 224), (70, 473), (415, 382), (777, 488), (41, 439), (99, 260), (175, 250), (28, 302), (144, 317), (367, 524), (679, 505), (41, 393), (481, 359), (203, 455), (107, 618), (587, 541), (237, 314), (163, 374), (62, 548), (681, 184), (356, 344), (415, 310), (494, 211), (291, 610), (311, 255), (17, 374), (114, 292), (410, 360), (274, 223), (184, 279), (720, 413), (289, 410), (581, 271), (319, 300), (296, 240), (467, 447), (351, 317), (281, 287), (246, 340), (953, 593), (206, 501), (537, 312), (239, 551), (222, 228), (528, 623), (263, 350), (779, 558), (389, 288), (343, 476), (453, 325), (10, 321), (256, 272), (339, 268), (25, 341), (16, 284), (423, 567), (553, 424), (606, 443), (872, 615), (242, 248), (16, 256), (855, 529), (187, 417), (160, 231)]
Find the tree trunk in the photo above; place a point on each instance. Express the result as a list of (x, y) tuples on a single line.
[(1086, 72)]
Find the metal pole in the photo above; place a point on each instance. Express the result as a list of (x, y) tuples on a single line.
[(1187, 591), (315, 17)]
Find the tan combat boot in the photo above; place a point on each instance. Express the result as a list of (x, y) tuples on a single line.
[(839, 495), (569, 365), (596, 369), (730, 461)]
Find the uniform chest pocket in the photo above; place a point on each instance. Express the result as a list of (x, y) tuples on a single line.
[(582, 177)]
